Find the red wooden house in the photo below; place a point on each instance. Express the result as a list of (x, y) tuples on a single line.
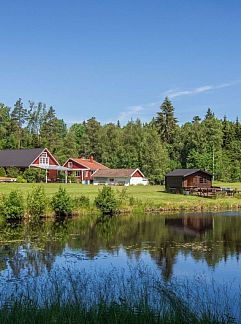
[(31, 158), (83, 168)]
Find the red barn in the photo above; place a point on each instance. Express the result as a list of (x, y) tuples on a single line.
[(31, 158), (83, 168)]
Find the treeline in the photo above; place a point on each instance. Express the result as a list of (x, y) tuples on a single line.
[(155, 147)]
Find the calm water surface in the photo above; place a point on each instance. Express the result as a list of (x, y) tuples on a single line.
[(174, 246)]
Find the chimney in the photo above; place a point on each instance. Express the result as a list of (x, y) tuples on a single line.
[(91, 158)]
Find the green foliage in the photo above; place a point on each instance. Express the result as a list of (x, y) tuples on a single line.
[(32, 175), (106, 201), (12, 172), (13, 206), (155, 147), (20, 179), (37, 202), (81, 202), (71, 178), (62, 203), (2, 172)]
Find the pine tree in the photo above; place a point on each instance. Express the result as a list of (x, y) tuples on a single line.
[(228, 132), (166, 122), (209, 114), (18, 118), (237, 129)]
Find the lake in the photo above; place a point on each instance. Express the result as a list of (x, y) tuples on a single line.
[(200, 247)]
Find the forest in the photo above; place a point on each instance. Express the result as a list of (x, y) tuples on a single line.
[(155, 147)]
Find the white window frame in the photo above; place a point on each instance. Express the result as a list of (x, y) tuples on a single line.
[(70, 164), (78, 173), (44, 159)]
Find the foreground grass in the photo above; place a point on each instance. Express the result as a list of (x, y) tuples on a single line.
[(149, 198), (102, 313), (138, 296)]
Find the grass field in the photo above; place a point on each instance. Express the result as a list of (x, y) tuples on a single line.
[(150, 196)]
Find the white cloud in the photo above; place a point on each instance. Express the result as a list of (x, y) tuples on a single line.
[(144, 110), (174, 93), (130, 112)]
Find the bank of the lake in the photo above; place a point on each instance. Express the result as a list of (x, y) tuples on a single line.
[(136, 198)]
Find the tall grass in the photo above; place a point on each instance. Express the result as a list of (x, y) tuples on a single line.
[(114, 296)]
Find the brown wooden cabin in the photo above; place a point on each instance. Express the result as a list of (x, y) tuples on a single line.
[(186, 179)]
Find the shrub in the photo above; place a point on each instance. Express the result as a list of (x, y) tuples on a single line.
[(106, 201), (36, 202), (72, 178), (62, 203), (2, 172), (20, 179), (81, 201), (12, 172), (34, 175), (13, 206)]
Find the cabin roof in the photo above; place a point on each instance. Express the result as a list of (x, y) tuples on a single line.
[(115, 173), (185, 172), (92, 165), (19, 157)]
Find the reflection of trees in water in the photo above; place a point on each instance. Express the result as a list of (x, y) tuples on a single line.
[(205, 238), (33, 247)]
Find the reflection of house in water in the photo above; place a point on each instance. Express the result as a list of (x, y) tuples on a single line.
[(186, 227), (192, 226)]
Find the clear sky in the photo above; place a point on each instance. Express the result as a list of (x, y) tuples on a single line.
[(118, 59)]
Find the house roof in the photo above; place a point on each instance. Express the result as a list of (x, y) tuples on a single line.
[(185, 172), (93, 166), (19, 157), (115, 173)]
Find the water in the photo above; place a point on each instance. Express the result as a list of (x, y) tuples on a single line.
[(191, 246)]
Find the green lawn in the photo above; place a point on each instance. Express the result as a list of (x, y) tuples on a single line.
[(149, 195)]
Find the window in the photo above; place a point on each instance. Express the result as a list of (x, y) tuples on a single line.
[(77, 173), (112, 180), (43, 159), (203, 180), (70, 164), (86, 173)]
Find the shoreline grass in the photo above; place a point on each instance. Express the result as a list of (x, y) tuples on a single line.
[(138, 296), (137, 198)]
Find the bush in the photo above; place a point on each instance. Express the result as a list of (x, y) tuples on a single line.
[(2, 172), (12, 172), (82, 201), (34, 175), (62, 203), (13, 206), (36, 202), (72, 178), (20, 179), (106, 201)]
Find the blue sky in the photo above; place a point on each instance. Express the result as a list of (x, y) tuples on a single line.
[(119, 59)]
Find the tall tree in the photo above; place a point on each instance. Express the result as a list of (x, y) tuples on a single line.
[(36, 118), (166, 122), (18, 119)]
